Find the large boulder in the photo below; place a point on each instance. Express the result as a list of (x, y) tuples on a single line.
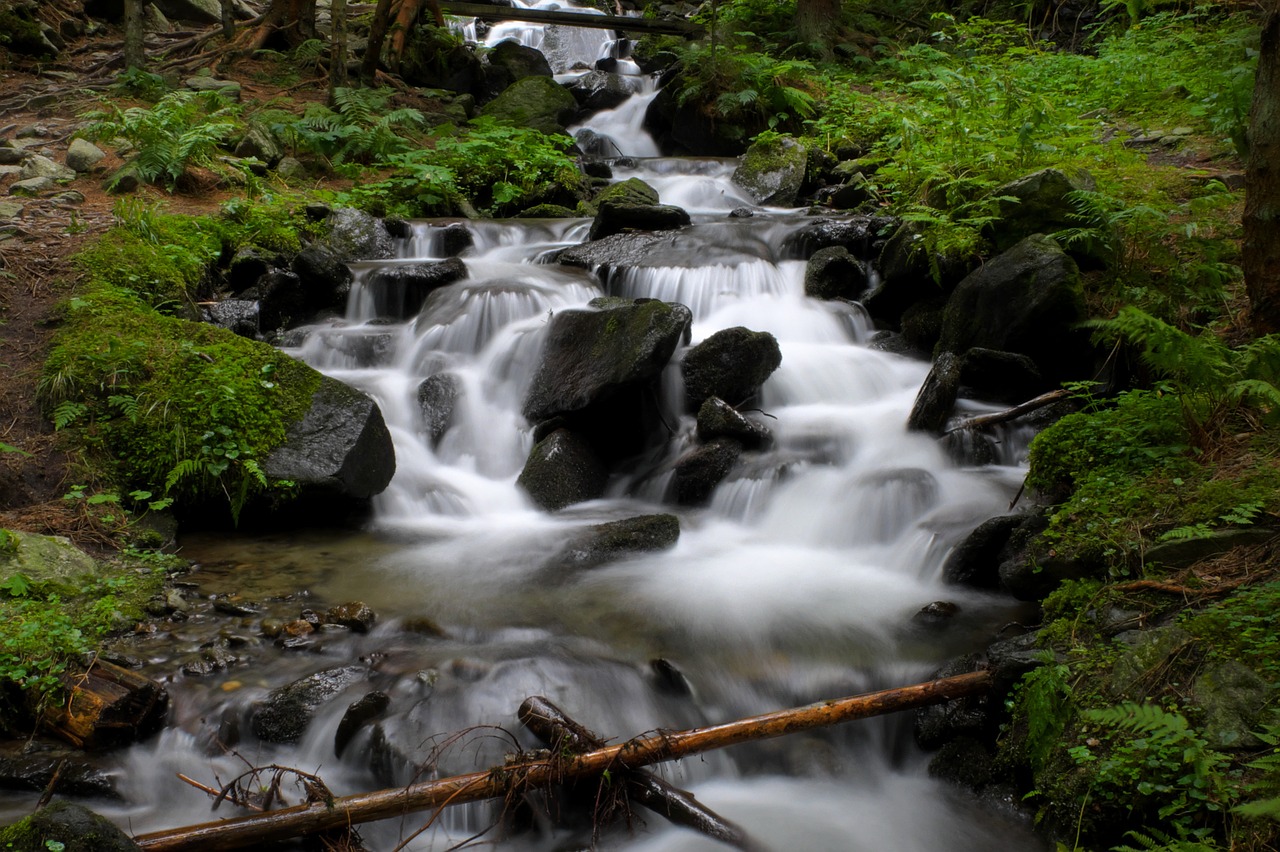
[(937, 396), (563, 469), (629, 191), (685, 127), (911, 272), (66, 826), (599, 367), (433, 59), (863, 235), (620, 251), (1039, 203), (597, 90), (616, 217), (325, 279), (539, 103), (608, 542), (400, 291), (341, 445), (355, 235), (508, 61), (1027, 300), (773, 170), (731, 364)]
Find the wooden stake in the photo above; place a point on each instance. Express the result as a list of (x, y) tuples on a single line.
[(531, 771)]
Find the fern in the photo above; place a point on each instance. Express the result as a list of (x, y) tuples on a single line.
[(1158, 841), (1266, 787), (67, 412)]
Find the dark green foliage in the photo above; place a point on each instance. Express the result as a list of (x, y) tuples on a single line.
[(358, 128), (1043, 698)]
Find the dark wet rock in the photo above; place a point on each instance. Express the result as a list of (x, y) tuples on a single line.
[(629, 191), (548, 211), (239, 316), (922, 323), (563, 469), (248, 265), (1038, 203), (975, 562), (773, 171), (1027, 300), (399, 229), (73, 827), (597, 90), (615, 217), (282, 303), (593, 144), (326, 280), (508, 61), (437, 398), (699, 471), (10, 156), (965, 761), (907, 274), (834, 273), (433, 60), (1232, 698), (862, 236), (1010, 659), (819, 168), (609, 542), (599, 368), (937, 396), (741, 213), (936, 614), (261, 144), (360, 713), (847, 196), (668, 679), (731, 364), (1029, 574), (211, 660), (1001, 376), (400, 291), (941, 723), (420, 625), (356, 616), (686, 128), (619, 251), (355, 235), (597, 169), (341, 445), (227, 606), (283, 716), (31, 764), (539, 103), (718, 419), (455, 238)]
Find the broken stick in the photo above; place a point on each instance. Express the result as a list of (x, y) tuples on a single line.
[(528, 771), (551, 725), (1011, 413)]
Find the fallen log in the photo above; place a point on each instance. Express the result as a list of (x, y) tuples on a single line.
[(560, 732), (529, 771), (1011, 413), (485, 12), (106, 705)]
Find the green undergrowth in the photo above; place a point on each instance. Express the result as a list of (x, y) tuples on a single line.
[(53, 619), (162, 408)]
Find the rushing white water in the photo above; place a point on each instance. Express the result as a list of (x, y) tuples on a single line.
[(798, 582)]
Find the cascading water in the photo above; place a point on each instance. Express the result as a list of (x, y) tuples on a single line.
[(798, 582)]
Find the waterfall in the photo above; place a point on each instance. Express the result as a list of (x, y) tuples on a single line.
[(799, 581)]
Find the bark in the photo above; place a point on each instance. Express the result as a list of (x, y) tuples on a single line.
[(816, 21), (228, 20), (559, 732), (106, 706), (1261, 252), (377, 35), (134, 53), (539, 771), (1011, 413), (338, 48), (293, 20)]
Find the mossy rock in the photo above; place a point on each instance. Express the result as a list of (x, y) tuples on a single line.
[(773, 171), (603, 543), (67, 826), (45, 559), (629, 191), (539, 103), (731, 364), (563, 469)]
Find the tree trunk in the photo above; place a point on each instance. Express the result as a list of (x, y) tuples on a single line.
[(134, 54), (228, 20), (816, 21), (106, 706), (377, 35), (338, 48), (531, 772), (1261, 253)]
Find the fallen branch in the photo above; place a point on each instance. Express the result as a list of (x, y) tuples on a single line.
[(559, 732), (530, 771), (1010, 413)]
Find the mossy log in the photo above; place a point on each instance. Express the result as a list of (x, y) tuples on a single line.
[(539, 770), (106, 705)]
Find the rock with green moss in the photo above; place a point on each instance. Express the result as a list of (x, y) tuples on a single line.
[(1038, 203), (508, 61), (616, 217), (539, 103), (1027, 300), (629, 191), (45, 559), (340, 446), (563, 469), (773, 171), (1232, 698), (355, 235), (718, 419), (731, 364), (65, 826), (609, 542)]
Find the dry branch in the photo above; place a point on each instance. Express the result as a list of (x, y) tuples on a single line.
[(1011, 413), (532, 771)]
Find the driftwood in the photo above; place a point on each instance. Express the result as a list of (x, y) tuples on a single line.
[(530, 771), (1011, 413), (559, 733), (106, 706)]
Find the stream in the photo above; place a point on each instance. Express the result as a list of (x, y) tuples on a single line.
[(800, 581)]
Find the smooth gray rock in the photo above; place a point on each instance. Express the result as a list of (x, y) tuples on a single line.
[(340, 445), (355, 235), (227, 88), (603, 543), (36, 166), (718, 419), (261, 143), (616, 217), (31, 187), (698, 472), (84, 156), (597, 90), (834, 273)]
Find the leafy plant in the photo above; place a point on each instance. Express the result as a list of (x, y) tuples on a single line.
[(1043, 699), (183, 129), (358, 127)]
